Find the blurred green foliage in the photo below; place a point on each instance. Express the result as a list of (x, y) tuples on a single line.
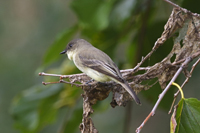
[(124, 29), (34, 108)]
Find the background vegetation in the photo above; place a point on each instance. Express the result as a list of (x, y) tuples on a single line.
[(33, 33)]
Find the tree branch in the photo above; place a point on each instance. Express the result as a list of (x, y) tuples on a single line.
[(163, 94)]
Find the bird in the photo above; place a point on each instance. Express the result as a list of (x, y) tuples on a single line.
[(96, 64)]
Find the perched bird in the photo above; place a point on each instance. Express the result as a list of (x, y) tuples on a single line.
[(96, 64)]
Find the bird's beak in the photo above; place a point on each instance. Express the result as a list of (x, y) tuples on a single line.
[(63, 52)]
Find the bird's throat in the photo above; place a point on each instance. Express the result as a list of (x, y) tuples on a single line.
[(70, 55)]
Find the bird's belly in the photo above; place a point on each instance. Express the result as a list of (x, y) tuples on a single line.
[(97, 76), (94, 74)]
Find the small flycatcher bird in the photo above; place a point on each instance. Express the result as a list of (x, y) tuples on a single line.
[(96, 64)]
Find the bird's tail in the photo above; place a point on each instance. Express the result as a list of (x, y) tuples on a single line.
[(131, 92)]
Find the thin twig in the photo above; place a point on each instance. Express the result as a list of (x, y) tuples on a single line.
[(183, 9), (170, 111), (58, 75), (191, 71), (62, 81), (77, 85), (196, 54), (48, 74), (81, 74), (139, 69), (48, 83), (136, 68), (163, 94), (173, 4)]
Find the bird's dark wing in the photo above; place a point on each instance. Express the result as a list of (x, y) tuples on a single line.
[(99, 61), (101, 66)]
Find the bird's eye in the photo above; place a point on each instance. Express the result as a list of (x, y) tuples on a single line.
[(70, 45)]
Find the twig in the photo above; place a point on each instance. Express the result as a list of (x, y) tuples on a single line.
[(183, 9), (186, 80), (191, 71), (163, 93), (136, 68), (170, 111), (48, 83), (73, 76), (139, 69), (196, 54), (82, 74), (62, 81), (77, 85), (58, 75), (173, 4)]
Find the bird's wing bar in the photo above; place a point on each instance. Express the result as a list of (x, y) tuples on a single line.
[(101, 67)]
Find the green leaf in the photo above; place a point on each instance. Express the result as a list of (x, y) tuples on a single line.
[(92, 14), (73, 123), (58, 46), (34, 108), (188, 116)]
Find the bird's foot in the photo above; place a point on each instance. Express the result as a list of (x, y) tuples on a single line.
[(102, 83), (89, 81)]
